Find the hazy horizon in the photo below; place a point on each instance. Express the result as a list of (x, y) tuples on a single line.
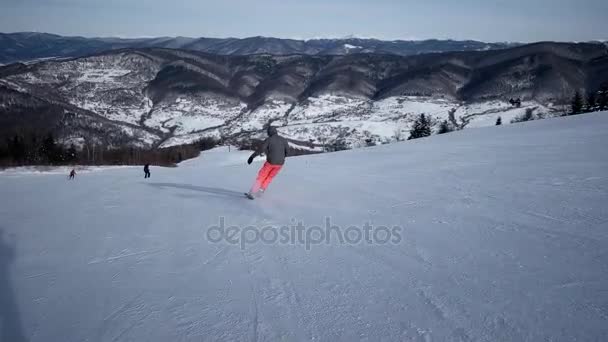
[(489, 21), (295, 38)]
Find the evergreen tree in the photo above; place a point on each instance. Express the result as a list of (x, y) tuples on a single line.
[(3, 153), (72, 154), (16, 149), (576, 106), (499, 121), (32, 154), (53, 152), (421, 129), (47, 150), (591, 104), (444, 127), (208, 143), (602, 98)]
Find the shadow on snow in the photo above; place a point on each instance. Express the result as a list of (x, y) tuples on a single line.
[(205, 189), (10, 320)]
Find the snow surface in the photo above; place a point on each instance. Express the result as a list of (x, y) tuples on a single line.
[(61, 170), (504, 238)]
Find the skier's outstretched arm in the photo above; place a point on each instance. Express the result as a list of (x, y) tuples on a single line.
[(261, 149)]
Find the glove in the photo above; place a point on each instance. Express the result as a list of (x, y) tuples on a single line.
[(250, 160)]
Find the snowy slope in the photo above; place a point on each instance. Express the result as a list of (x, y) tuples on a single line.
[(504, 237)]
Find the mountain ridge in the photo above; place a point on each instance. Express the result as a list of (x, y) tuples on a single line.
[(26, 46), (163, 97)]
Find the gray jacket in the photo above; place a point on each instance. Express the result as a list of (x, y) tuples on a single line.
[(275, 147)]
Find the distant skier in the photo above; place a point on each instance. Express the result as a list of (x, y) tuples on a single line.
[(147, 171), (276, 149), (72, 174)]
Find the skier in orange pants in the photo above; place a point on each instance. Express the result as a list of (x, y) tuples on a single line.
[(265, 176), (276, 149)]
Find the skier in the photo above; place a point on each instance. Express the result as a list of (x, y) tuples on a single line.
[(147, 171), (276, 149), (72, 174)]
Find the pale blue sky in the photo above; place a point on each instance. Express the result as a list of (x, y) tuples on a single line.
[(492, 20)]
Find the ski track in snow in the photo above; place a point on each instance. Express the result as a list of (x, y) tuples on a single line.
[(504, 238)]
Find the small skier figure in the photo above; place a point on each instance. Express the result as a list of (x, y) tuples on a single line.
[(276, 148), (147, 171), (72, 174)]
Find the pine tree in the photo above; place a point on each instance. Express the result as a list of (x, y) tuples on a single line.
[(576, 107), (591, 104), (3, 153), (53, 152), (444, 127), (499, 121), (602, 98), (72, 153), (421, 129), (16, 149), (48, 148)]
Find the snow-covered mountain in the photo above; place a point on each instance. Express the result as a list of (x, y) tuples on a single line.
[(26, 46), (503, 237), (164, 97)]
